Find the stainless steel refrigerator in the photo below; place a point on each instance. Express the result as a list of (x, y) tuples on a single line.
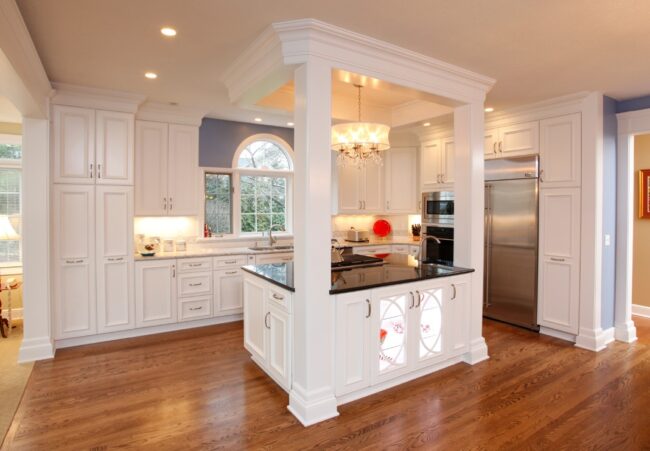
[(511, 229)]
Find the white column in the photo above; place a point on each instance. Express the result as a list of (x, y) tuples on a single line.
[(624, 328), (312, 393), (469, 214), (37, 339)]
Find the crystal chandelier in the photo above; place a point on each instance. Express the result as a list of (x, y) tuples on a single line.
[(359, 142)]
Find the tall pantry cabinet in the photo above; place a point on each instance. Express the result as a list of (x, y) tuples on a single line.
[(92, 215)]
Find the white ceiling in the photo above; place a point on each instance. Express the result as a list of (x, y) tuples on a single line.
[(535, 49)]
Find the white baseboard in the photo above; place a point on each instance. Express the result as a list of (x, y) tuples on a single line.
[(131, 333), (557, 334), (314, 406), (478, 352), (33, 349), (594, 339), (641, 310)]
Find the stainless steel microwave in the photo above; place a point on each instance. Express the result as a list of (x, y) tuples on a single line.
[(438, 207)]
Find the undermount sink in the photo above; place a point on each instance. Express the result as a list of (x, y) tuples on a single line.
[(271, 248)]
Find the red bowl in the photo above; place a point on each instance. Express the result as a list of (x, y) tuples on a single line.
[(381, 228)]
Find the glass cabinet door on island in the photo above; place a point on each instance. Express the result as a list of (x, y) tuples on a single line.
[(391, 325), (428, 310)]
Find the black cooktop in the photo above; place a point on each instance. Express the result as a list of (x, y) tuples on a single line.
[(357, 260)]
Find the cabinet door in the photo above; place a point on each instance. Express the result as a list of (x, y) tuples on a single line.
[(491, 143), (278, 257), (519, 139), (151, 140), (353, 311), (255, 319), (183, 169), (389, 333), (427, 346), (74, 257), (115, 285), (401, 180), (155, 292), (430, 168), (448, 160), (279, 356), (373, 187), (74, 145), (559, 152), (349, 180), (455, 316), (559, 268), (114, 148), (228, 291)]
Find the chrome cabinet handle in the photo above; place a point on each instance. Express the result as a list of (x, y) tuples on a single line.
[(364, 204), (113, 259), (265, 320), (454, 295), (196, 284), (541, 175), (196, 308), (74, 261), (360, 205), (173, 270), (278, 296), (494, 147), (171, 204), (412, 300), (556, 259), (230, 262), (231, 272), (99, 171), (501, 146), (91, 170), (419, 299), (195, 265), (165, 203), (369, 308)]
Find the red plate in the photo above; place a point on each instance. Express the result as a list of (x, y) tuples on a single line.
[(381, 228)]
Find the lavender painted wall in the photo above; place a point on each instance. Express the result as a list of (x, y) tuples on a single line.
[(219, 139), (610, 131), (638, 103)]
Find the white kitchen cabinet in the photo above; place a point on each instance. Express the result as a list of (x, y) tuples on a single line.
[(194, 284), (279, 347), (155, 292), (512, 140), (560, 151), (195, 307), (437, 163), (352, 341), (428, 322), (448, 161), (182, 170), (114, 148), (401, 175), (74, 261), (166, 165), (255, 318), (559, 259), (360, 190), (372, 250), (228, 291), (276, 257), (74, 144), (114, 241), (456, 313)]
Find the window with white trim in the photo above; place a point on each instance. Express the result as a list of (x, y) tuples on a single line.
[(255, 195), (10, 198)]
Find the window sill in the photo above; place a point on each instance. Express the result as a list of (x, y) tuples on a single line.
[(11, 270), (234, 239)]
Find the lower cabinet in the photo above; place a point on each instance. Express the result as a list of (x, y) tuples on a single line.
[(155, 293), (267, 328), (228, 291), (388, 332), (278, 257)]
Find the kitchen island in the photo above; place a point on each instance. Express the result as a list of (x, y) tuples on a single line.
[(394, 321)]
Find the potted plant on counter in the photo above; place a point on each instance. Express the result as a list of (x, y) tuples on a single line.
[(415, 230)]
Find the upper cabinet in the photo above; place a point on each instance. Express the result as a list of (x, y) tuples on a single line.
[(166, 166), (560, 149), (437, 163), (401, 166), (360, 189), (513, 140), (92, 146)]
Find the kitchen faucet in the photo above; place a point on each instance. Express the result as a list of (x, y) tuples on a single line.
[(272, 240), (426, 238)]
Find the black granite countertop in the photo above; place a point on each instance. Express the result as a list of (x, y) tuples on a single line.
[(396, 269)]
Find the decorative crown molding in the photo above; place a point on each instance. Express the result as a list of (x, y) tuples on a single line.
[(87, 97), (175, 114)]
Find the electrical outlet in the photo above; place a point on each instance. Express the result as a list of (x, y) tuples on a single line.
[(608, 240)]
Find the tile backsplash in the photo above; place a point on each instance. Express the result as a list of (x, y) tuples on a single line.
[(400, 224)]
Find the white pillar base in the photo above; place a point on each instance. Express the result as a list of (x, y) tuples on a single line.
[(312, 408), (33, 349), (594, 339), (478, 352), (625, 332)]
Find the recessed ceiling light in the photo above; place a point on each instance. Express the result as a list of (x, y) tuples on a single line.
[(258, 119), (168, 31), (151, 75), (489, 109), (426, 124), (290, 124)]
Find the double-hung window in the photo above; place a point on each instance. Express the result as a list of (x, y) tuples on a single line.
[(10, 199), (255, 195)]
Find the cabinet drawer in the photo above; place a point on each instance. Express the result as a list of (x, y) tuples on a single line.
[(280, 298), (194, 283), (195, 308), (277, 257), (194, 264), (372, 250), (230, 260), (400, 249), (414, 250)]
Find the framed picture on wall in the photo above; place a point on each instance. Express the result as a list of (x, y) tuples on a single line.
[(644, 194)]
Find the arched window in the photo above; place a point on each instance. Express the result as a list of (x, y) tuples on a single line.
[(255, 196)]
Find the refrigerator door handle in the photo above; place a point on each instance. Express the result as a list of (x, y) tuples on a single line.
[(488, 243)]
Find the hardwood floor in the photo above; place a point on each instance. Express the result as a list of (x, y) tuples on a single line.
[(200, 390)]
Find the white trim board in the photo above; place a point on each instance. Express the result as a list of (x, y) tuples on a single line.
[(641, 310)]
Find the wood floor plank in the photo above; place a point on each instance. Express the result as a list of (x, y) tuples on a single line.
[(198, 389)]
